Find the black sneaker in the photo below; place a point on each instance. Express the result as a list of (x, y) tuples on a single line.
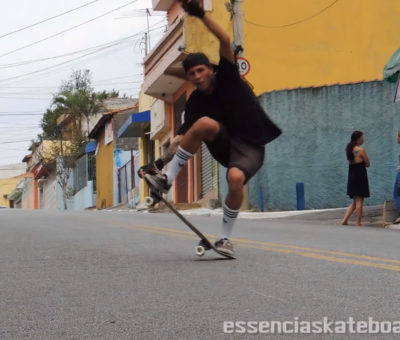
[(225, 246), (158, 182)]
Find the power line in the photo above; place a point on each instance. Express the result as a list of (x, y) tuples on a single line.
[(24, 98), (17, 141), (140, 12), (57, 86), (21, 114), (48, 19), (46, 68), (32, 61), (293, 23), (59, 64), (20, 111), (67, 30)]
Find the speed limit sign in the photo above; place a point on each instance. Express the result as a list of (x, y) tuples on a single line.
[(243, 66)]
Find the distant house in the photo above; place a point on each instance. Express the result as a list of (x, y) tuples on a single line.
[(116, 179), (9, 178)]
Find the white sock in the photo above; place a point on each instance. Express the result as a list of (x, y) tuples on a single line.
[(178, 161), (228, 221)]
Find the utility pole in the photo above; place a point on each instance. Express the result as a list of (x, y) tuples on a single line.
[(148, 30), (237, 18), (236, 10), (145, 44)]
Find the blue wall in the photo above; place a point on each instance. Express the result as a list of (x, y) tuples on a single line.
[(317, 124)]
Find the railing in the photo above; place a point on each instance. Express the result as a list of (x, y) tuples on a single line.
[(126, 181)]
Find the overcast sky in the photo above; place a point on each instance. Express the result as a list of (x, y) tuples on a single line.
[(33, 64)]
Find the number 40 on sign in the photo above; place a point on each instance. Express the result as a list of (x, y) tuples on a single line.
[(243, 66)]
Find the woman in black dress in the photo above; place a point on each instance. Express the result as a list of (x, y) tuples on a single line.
[(357, 184)]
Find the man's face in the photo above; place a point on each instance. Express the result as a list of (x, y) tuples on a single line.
[(201, 76)]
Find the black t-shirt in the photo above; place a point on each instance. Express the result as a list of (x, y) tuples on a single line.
[(233, 104)]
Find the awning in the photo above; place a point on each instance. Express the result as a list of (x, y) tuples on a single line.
[(90, 147), (135, 125), (15, 195), (392, 67)]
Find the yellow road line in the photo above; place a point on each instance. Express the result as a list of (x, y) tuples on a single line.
[(320, 254)]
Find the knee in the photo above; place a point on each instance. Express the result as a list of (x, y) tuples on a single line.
[(205, 127), (236, 179)]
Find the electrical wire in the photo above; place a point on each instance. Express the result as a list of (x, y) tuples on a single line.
[(293, 23), (17, 141), (32, 61), (48, 19), (21, 114), (57, 86), (67, 30), (62, 63)]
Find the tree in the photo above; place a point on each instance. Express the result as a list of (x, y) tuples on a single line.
[(77, 100), (49, 124), (61, 156), (80, 80)]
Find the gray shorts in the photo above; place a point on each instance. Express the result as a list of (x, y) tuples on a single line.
[(233, 152)]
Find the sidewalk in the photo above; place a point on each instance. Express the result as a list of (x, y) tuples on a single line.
[(372, 215)]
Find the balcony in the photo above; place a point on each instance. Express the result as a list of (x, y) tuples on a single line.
[(163, 72), (162, 5)]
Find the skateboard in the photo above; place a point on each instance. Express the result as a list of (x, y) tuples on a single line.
[(204, 244)]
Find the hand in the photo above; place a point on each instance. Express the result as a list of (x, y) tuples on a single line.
[(192, 7), (151, 168)]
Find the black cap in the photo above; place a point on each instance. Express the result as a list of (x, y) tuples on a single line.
[(194, 59)]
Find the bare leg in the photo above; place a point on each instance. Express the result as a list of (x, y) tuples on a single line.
[(348, 213), (359, 209), (236, 180), (204, 129)]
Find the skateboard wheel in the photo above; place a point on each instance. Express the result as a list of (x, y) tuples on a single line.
[(200, 250), (149, 201)]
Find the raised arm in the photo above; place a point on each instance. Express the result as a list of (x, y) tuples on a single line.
[(192, 7)]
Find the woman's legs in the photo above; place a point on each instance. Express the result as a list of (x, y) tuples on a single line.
[(349, 211), (359, 208)]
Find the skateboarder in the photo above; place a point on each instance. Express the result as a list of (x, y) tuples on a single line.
[(224, 113)]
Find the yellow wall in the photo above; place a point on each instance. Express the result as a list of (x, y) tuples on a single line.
[(7, 186), (104, 176), (290, 45), (145, 103), (52, 149)]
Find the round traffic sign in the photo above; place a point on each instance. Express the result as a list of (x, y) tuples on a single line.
[(243, 66)]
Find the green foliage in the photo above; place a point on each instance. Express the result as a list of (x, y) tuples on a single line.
[(77, 99), (49, 124), (80, 80)]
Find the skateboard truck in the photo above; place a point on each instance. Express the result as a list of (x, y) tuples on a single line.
[(201, 248), (152, 200)]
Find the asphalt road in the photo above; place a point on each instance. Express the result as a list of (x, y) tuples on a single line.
[(126, 275)]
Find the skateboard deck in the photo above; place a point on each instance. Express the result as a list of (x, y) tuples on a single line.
[(200, 250)]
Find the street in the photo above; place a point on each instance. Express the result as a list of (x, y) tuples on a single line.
[(130, 275)]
